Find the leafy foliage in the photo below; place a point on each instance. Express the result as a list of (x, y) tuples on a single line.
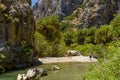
[(49, 27), (108, 69), (48, 37)]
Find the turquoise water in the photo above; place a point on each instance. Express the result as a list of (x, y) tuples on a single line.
[(69, 71)]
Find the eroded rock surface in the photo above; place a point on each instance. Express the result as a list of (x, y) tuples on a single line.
[(98, 12), (33, 74), (59, 7), (17, 27), (92, 12)]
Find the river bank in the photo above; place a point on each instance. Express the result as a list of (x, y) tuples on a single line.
[(81, 59)]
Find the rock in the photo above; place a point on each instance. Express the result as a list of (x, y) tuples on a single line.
[(33, 74), (93, 12), (17, 27), (72, 53), (43, 72), (54, 67), (21, 77), (36, 62), (61, 8), (98, 12)]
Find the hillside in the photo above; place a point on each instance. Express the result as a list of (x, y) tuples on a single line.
[(88, 12)]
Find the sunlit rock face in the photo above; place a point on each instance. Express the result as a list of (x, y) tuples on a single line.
[(61, 8), (98, 12), (92, 12), (17, 26)]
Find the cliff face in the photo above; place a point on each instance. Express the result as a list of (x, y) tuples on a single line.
[(98, 12), (59, 7), (17, 27), (93, 12)]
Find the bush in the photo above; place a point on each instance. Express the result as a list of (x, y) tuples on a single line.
[(107, 70), (49, 38), (66, 26), (71, 17), (84, 49), (70, 37), (58, 50), (41, 45), (49, 27), (2, 57)]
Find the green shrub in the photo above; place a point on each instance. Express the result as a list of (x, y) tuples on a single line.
[(50, 28), (66, 26), (41, 45), (71, 17), (58, 50), (84, 49), (2, 57), (49, 38), (107, 70), (70, 37)]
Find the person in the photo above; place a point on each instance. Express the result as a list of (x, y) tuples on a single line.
[(69, 54), (90, 56), (79, 54)]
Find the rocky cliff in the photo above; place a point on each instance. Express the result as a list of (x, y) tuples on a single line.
[(59, 7), (98, 12), (17, 27), (92, 12)]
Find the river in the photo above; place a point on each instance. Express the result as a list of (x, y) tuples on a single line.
[(69, 71)]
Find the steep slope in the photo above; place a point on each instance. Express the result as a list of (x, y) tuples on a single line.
[(17, 29), (98, 12), (92, 12), (60, 7)]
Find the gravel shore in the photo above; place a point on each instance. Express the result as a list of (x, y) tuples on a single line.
[(82, 59)]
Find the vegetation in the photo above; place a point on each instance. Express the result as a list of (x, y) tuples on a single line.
[(108, 69), (51, 32), (48, 37), (71, 17), (53, 38)]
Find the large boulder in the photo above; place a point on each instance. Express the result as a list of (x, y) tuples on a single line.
[(72, 53), (33, 74), (17, 27)]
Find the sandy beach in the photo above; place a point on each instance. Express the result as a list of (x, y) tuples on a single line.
[(82, 59)]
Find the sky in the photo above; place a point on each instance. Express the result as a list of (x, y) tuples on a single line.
[(33, 2)]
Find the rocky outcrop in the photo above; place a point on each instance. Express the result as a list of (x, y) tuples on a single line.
[(33, 74), (98, 12), (17, 27), (92, 12), (59, 7)]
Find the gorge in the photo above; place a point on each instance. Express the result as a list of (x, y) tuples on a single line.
[(90, 12)]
